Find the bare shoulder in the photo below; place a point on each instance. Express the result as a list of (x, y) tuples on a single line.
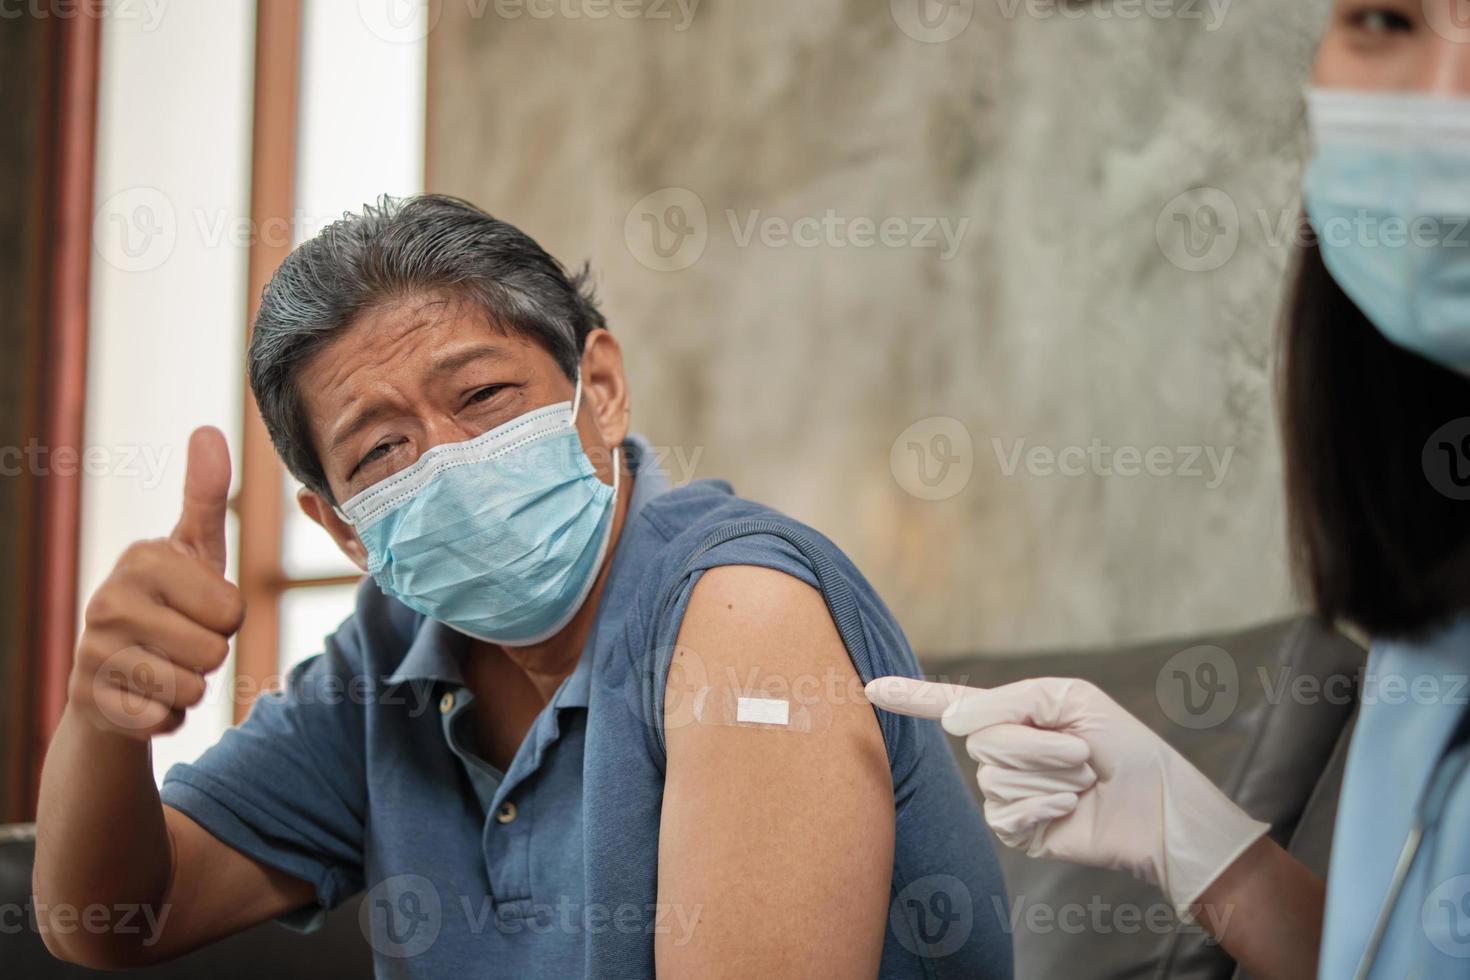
[(777, 822)]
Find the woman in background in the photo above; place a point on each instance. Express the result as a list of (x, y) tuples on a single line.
[(1376, 406)]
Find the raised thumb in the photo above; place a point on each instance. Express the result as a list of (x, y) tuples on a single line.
[(201, 528)]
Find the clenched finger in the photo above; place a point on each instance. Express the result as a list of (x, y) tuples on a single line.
[(1002, 785), (179, 638), (1024, 747), (144, 675), (1016, 823)]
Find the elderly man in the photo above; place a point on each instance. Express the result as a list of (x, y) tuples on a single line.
[(580, 723)]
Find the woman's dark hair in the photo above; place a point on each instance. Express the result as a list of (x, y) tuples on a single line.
[(1379, 539)]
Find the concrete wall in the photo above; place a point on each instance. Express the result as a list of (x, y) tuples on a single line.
[(844, 369)]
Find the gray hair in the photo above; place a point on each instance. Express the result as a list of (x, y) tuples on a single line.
[(395, 249)]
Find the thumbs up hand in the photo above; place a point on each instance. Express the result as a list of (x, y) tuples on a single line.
[(162, 620)]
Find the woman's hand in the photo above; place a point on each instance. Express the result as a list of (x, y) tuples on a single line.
[(1068, 774)]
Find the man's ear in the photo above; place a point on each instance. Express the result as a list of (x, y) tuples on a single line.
[(604, 389), (315, 506)]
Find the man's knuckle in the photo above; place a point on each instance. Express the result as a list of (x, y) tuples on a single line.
[(141, 557), (91, 652), (215, 652), (232, 607), (104, 608), (189, 689)]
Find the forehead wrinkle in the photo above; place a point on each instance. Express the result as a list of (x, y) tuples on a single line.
[(449, 362), (379, 332)]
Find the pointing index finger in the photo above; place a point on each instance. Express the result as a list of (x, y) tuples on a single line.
[(915, 698)]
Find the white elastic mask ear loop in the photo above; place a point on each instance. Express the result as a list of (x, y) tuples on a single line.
[(577, 398), (617, 450)]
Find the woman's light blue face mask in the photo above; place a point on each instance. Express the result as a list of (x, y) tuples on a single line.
[(1388, 194), (499, 537)]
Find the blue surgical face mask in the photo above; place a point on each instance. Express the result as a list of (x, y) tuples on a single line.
[(500, 537), (1388, 193)]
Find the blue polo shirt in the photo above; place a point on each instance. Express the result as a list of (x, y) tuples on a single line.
[(361, 774)]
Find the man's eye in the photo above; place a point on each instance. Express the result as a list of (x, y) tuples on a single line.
[(484, 394), (374, 454), (1380, 20)]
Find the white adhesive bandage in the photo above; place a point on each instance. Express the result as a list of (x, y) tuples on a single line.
[(763, 711), (754, 709)]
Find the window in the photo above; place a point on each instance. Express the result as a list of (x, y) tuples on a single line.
[(358, 134), (184, 169)]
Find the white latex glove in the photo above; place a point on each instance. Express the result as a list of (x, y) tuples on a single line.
[(1069, 774)]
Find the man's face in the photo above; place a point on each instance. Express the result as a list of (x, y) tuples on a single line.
[(425, 371)]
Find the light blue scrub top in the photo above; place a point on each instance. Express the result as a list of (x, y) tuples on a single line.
[(1413, 695)]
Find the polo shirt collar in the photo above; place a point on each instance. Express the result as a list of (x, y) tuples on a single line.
[(432, 656), (434, 653)]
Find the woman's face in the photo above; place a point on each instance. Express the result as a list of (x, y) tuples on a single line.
[(1400, 45)]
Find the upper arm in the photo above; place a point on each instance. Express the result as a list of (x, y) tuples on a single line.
[(776, 843), (271, 818), (215, 891)]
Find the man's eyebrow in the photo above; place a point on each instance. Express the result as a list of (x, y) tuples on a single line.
[(449, 363)]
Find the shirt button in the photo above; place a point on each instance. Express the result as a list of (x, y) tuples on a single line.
[(506, 813), (446, 703)]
